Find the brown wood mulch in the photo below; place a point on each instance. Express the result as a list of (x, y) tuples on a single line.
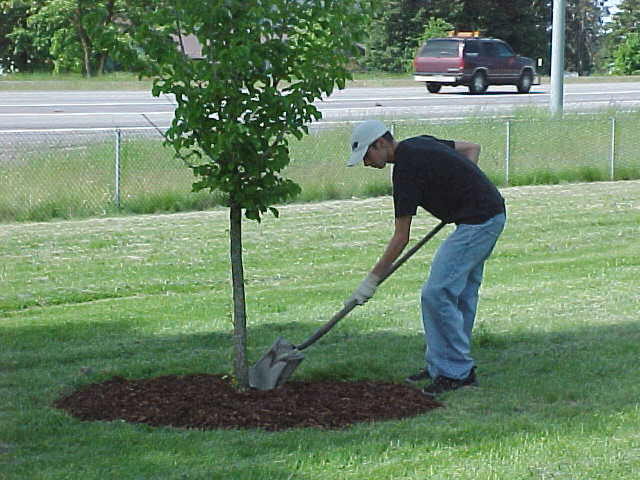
[(205, 402)]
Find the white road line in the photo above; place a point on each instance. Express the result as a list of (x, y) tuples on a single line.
[(326, 100), (76, 129), (77, 114), (51, 105)]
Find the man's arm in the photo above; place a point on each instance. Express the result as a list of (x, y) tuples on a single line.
[(469, 150), (398, 241), (395, 247)]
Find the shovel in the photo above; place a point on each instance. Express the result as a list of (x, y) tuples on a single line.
[(281, 360)]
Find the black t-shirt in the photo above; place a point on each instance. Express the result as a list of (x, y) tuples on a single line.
[(429, 173)]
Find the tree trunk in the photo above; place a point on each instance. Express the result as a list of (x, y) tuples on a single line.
[(85, 41), (101, 63), (240, 368)]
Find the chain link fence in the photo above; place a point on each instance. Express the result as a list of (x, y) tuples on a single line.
[(75, 173)]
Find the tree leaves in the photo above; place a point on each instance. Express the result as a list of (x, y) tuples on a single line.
[(627, 56), (264, 64)]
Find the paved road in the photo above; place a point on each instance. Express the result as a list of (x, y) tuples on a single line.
[(70, 110)]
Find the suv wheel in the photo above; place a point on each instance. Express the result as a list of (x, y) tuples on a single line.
[(433, 87), (524, 82), (478, 83)]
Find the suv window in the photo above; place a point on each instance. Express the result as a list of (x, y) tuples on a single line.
[(440, 48), (486, 49), (501, 50), (472, 47)]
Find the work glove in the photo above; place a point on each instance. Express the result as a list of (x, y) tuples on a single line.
[(365, 290)]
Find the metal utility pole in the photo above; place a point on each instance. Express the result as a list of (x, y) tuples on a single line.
[(557, 57)]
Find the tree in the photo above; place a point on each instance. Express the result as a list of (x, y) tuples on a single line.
[(393, 35), (436, 27), (627, 56), (19, 49), (264, 63), (584, 31), (626, 19), (82, 35)]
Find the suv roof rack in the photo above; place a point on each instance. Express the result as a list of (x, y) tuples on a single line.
[(457, 33)]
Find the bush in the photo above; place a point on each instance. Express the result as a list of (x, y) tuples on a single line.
[(627, 56)]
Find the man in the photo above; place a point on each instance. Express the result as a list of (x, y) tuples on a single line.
[(442, 177)]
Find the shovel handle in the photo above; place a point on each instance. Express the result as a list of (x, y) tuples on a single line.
[(351, 305)]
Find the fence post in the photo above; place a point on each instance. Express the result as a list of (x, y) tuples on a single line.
[(116, 195), (612, 150), (507, 153)]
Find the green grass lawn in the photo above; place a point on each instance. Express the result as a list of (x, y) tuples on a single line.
[(556, 341)]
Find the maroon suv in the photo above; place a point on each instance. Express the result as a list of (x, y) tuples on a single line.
[(473, 62)]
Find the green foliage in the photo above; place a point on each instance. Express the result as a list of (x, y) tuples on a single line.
[(78, 36), (584, 32), (21, 47), (436, 27), (627, 56), (264, 64), (626, 19), (393, 35)]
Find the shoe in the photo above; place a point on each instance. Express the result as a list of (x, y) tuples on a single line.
[(445, 384), (421, 376)]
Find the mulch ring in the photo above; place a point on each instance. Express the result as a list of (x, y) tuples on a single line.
[(208, 402)]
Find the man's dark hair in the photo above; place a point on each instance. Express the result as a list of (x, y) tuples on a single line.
[(388, 137)]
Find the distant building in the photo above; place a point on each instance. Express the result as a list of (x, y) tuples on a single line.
[(191, 45)]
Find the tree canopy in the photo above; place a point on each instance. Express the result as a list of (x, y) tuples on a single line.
[(627, 56), (71, 35)]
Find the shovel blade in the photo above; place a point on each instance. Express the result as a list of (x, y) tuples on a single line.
[(275, 366)]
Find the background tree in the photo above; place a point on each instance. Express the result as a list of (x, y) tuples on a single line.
[(20, 49), (627, 56), (394, 33), (81, 35), (436, 27), (626, 19), (584, 31), (264, 64)]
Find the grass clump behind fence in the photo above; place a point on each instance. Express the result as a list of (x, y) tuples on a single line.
[(75, 175)]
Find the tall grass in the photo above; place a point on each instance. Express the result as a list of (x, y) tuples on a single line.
[(76, 178)]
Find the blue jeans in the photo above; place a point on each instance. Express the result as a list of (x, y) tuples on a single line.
[(450, 296)]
